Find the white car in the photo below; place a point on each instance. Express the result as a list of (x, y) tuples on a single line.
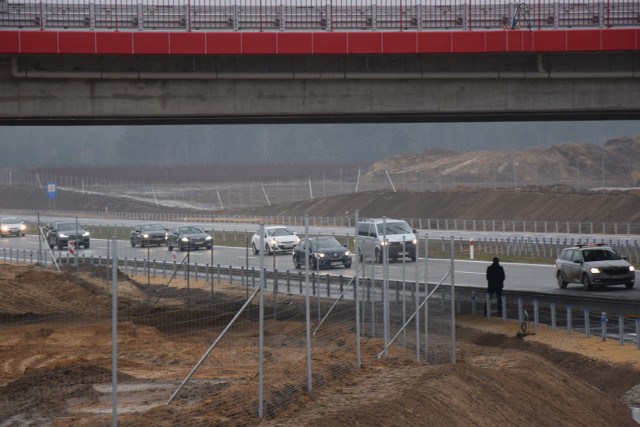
[(12, 227), (277, 238)]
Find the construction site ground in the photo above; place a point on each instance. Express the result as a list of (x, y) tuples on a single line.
[(56, 368)]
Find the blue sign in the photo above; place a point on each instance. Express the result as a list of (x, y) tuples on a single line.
[(51, 190)]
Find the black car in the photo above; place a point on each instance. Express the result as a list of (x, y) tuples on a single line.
[(59, 233), (147, 235), (324, 251), (186, 237)]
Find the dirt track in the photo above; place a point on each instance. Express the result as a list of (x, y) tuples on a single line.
[(55, 348)]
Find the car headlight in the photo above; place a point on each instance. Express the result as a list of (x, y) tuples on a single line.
[(273, 242), (317, 255), (414, 241), (297, 240), (23, 227), (384, 243), (86, 234), (595, 270), (632, 268), (347, 253), (5, 228), (63, 235), (145, 236), (184, 239), (208, 238)]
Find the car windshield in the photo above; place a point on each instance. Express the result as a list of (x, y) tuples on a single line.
[(279, 232), (395, 227), (10, 221), (151, 227), (190, 230), (326, 242), (69, 226), (592, 255)]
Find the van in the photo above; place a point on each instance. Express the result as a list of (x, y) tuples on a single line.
[(400, 237)]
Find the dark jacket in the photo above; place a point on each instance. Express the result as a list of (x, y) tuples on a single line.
[(495, 276)]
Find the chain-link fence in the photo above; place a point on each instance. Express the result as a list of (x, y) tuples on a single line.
[(191, 343)]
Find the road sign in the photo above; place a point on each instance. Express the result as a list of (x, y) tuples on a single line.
[(72, 247), (51, 190)]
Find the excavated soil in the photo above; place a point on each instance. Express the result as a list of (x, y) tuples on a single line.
[(55, 366)]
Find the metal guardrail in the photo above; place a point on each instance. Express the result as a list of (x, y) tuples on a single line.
[(610, 318), (314, 15), (421, 224)]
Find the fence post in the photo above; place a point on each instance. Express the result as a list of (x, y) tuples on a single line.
[(520, 311), (637, 334), (473, 303), (603, 325), (504, 307), (569, 319), (328, 285), (587, 323), (487, 308), (552, 306), (621, 329), (536, 314)]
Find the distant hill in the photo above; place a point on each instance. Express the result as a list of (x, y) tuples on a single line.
[(581, 166)]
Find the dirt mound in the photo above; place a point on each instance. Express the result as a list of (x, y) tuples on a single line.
[(478, 204), (56, 368)]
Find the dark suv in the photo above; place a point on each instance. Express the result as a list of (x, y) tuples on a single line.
[(147, 235), (324, 251), (59, 233), (593, 265)]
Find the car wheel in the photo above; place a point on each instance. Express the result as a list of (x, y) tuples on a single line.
[(629, 285), (87, 245), (267, 250), (413, 257), (169, 247), (133, 243), (209, 247), (347, 265), (586, 282), (255, 250), (296, 262), (181, 247), (359, 255), (562, 284)]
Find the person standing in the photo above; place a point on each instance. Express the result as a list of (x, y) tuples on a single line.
[(495, 283)]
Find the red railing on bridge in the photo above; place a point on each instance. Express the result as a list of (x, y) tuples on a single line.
[(272, 27)]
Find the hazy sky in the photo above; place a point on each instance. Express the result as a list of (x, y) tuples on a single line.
[(35, 146)]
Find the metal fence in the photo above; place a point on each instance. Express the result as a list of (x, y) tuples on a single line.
[(196, 339), (188, 334), (314, 15)]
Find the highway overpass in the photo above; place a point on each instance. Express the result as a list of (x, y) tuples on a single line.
[(141, 69)]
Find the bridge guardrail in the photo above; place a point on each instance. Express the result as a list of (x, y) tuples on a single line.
[(315, 15)]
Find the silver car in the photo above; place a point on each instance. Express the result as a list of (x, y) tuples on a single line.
[(593, 265), (12, 227)]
